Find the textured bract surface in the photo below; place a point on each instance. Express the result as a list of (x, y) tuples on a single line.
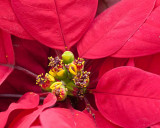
[(130, 97), (129, 30), (6, 55)]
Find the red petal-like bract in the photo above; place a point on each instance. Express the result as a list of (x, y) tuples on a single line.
[(6, 55), (131, 26), (100, 120), (129, 97), (27, 117), (156, 126), (149, 63), (27, 101), (65, 118), (110, 63), (146, 40), (31, 59), (55, 23), (9, 22)]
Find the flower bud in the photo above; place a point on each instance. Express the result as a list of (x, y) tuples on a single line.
[(67, 57)]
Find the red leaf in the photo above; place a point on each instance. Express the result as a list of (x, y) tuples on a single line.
[(110, 63), (146, 40), (35, 127), (33, 59), (6, 55), (156, 126), (27, 101), (9, 22), (131, 62), (55, 23), (27, 117), (149, 63), (129, 97), (119, 25), (100, 121), (65, 118)]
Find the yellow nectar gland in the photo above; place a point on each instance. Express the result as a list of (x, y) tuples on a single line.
[(56, 85), (73, 69), (58, 73), (61, 73)]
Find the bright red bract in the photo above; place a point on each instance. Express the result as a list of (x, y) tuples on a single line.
[(129, 97), (129, 29), (6, 55), (55, 23)]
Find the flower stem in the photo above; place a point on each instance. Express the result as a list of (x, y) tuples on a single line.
[(10, 96), (17, 96), (21, 69)]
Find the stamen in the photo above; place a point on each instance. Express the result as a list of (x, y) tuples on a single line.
[(59, 90), (55, 62), (80, 64), (66, 77)]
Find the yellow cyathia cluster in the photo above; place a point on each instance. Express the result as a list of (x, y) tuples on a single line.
[(66, 77)]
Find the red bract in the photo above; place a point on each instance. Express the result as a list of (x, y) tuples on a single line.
[(149, 63), (100, 121), (27, 101), (28, 117), (130, 34), (6, 55), (27, 58), (9, 22), (130, 97), (55, 23), (156, 126), (125, 97), (65, 118), (27, 113)]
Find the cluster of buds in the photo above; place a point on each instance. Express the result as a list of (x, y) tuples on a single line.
[(65, 77)]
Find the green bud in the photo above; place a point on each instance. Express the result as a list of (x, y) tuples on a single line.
[(67, 57)]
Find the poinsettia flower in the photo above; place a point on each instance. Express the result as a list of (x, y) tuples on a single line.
[(73, 27), (59, 25)]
